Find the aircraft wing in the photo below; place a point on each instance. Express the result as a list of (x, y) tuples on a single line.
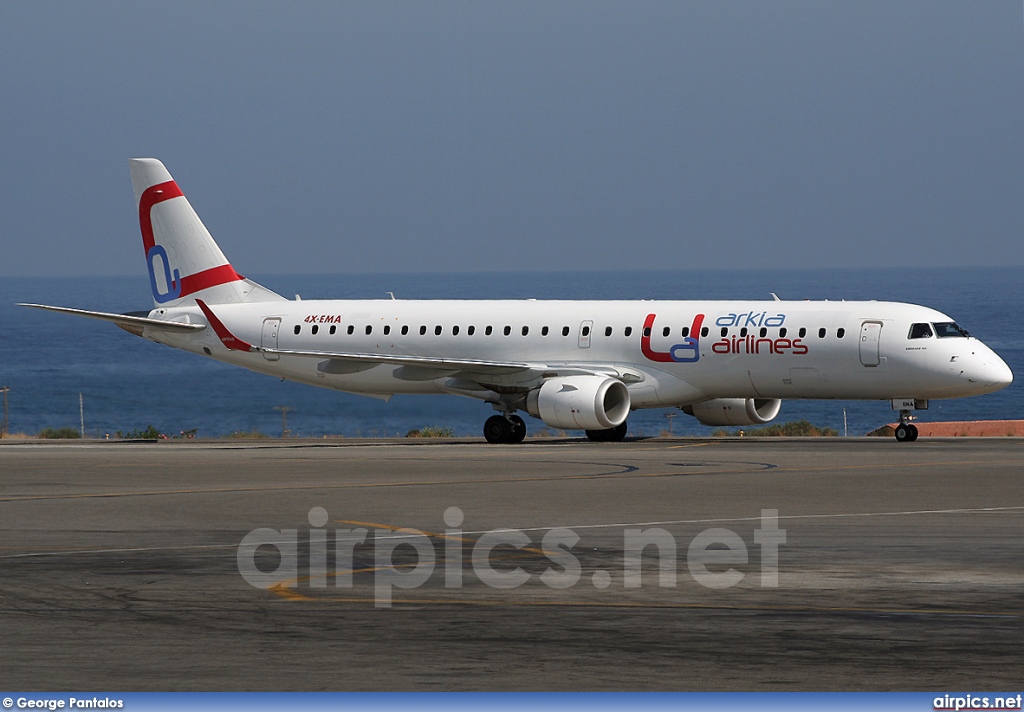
[(440, 363), (129, 322)]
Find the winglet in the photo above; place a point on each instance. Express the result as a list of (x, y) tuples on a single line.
[(227, 338)]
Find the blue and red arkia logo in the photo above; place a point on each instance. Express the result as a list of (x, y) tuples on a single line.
[(743, 342), (686, 352)]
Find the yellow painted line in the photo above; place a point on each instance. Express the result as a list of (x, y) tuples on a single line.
[(433, 535), (285, 589), (680, 447)]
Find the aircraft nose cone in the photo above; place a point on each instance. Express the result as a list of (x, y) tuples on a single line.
[(997, 373), (990, 373)]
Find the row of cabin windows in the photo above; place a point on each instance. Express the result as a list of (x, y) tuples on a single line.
[(608, 331)]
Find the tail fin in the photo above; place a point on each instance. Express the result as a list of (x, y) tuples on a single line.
[(183, 258)]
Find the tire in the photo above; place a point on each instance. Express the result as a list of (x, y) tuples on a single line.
[(913, 432), (518, 433), (616, 434), (903, 433), (498, 430)]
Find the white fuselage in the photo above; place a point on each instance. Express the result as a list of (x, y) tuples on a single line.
[(669, 353)]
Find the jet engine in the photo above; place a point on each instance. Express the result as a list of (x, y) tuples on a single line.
[(735, 411), (580, 402)]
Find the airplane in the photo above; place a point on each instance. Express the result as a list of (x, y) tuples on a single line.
[(575, 365)]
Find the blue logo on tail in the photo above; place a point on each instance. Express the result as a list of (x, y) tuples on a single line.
[(173, 282)]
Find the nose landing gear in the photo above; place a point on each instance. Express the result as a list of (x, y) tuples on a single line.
[(906, 432)]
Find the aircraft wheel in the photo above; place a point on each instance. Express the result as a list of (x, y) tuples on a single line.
[(913, 432), (498, 430), (903, 433), (618, 433), (615, 434), (518, 433)]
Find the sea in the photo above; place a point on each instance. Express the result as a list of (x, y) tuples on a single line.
[(53, 364)]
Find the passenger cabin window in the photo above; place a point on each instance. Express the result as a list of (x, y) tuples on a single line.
[(544, 331), (704, 331), (743, 332), (783, 332), (455, 331), (763, 332), (405, 330), (437, 330), (565, 331), (507, 330), (666, 331), (686, 331), (526, 330), (351, 329), (628, 331), (841, 333), (821, 333), (423, 330), (470, 330), (607, 331), (947, 329), (387, 329), (803, 331), (647, 331), (489, 330), (586, 331), (315, 329), (297, 329), (725, 331), (369, 329), (334, 329), (920, 331)]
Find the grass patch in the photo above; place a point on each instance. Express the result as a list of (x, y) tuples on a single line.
[(60, 434), (149, 433), (431, 431)]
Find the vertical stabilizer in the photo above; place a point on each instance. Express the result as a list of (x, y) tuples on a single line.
[(184, 260)]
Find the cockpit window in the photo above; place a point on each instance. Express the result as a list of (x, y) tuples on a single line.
[(920, 331), (946, 329)]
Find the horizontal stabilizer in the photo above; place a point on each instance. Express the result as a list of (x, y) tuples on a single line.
[(134, 324)]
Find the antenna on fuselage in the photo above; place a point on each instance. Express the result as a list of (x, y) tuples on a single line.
[(775, 296), (392, 295)]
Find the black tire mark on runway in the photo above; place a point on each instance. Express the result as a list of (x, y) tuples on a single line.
[(763, 466)]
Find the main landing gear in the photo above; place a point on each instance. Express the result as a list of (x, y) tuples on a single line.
[(612, 435), (906, 432), (504, 429), (510, 430)]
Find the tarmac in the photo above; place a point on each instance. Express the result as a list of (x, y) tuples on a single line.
[(773, 564)]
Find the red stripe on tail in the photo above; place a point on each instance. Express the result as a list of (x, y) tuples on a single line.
[(213, 277)]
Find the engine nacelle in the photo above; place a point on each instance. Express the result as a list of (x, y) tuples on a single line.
[(580, 402), (735, 411)]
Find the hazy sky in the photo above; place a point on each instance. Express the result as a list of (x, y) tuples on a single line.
[(463, 136)]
